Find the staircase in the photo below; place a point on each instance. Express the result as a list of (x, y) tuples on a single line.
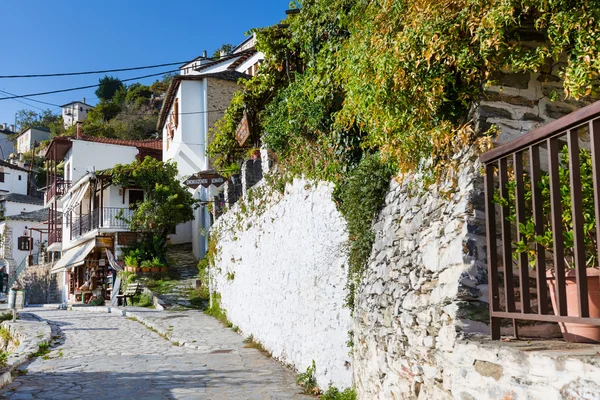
[(183, 268)]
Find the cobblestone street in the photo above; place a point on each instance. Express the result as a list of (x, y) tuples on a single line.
[(108, 356)]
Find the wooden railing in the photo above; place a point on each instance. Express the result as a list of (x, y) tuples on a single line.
[(57, 188), (542, 204)]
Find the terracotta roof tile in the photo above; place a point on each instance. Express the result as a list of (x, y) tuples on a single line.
[(155, 144)]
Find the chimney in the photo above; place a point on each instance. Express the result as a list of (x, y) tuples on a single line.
[(3, 126), (204, 54), (222, 54), (79, 130), (83, 100), (12, 128)]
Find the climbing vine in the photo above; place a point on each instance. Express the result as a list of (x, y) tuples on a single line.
[(387, 86)]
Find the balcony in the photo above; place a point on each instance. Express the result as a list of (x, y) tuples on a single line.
[(55, 236), (542, 194), (57, 189), (106, 217)]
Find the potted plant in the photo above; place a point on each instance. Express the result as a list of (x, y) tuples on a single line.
[(131, 262), (529, 239), (156, 264), (146, 266)]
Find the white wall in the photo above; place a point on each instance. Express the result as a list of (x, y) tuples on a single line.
[(187, 148), (290, 276), (18, 228), (183, 233), (14, 208), (6, 146), (15, 181), (84, 155)]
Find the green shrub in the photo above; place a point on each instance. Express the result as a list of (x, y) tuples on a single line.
[(308, 380), (334, 394), (143, 300)]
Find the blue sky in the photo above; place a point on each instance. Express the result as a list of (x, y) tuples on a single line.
[(40, 36)]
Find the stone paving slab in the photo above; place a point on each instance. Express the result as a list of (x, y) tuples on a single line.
[(106, 356)]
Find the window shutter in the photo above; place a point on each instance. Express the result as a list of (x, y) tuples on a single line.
[(176, 112)]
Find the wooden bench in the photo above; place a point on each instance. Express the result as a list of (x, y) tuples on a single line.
[(131, 290)]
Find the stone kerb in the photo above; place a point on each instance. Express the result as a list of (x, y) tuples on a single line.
[(26, 338)]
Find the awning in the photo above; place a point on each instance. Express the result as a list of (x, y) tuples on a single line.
[(78, 196), (74, 257)]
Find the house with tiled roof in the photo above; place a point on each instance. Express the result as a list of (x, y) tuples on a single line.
[(195, 100), (86, 212), (24, 234)]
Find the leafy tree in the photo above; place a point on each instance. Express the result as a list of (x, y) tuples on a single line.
[(160, 87), (104, 111), (138, 94), (28, 118), (108, 87), (226, 48), (167, 203)]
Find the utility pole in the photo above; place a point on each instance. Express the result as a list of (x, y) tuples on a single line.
[(30, 179)]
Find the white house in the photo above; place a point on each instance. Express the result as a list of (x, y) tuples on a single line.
[(27, 138), (74, 112), (85, 218), (22, 235), (194, 102), (14, 204), (13, 179), (7, 133)]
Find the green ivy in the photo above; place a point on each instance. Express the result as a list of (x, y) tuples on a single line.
[(360, 198)]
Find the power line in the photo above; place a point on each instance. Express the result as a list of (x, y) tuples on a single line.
[(22, 102), (37, 101), (82, 87), (91, 72)]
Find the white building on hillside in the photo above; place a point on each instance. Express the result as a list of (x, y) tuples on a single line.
[(7, 134), (13, 179), (195, 101), (74, 112), (27, 138)]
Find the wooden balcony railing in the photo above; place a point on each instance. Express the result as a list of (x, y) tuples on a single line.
[(542, 207), (55, 236), (57, 189)]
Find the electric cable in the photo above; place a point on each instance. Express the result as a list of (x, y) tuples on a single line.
[(91, 72)]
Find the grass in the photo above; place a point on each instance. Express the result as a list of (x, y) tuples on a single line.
[(43, 350), (160, 286), (6, 316), (254, 344), (199, 298), (143, 300)]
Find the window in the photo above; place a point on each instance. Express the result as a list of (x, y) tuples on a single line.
[(24, 243), (1, 176), (135, 196), (19, 177)]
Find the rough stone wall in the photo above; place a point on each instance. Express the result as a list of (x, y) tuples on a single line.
[(281, 273), (220, 93), (425, 282), (42, 287), (425, 288)]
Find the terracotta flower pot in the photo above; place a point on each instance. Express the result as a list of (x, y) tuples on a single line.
[(145, 269), (137, 269), (129, 268), (164, 269), (155, 269), (580, 333)]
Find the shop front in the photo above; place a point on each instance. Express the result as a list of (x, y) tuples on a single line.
[(88, 272)]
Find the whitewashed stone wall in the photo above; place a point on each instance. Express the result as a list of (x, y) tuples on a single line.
[(425, 282), (282, 275)]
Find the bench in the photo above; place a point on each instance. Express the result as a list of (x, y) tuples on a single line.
[(131, 290)]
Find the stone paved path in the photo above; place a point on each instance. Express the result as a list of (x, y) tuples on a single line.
[(108, 356)]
